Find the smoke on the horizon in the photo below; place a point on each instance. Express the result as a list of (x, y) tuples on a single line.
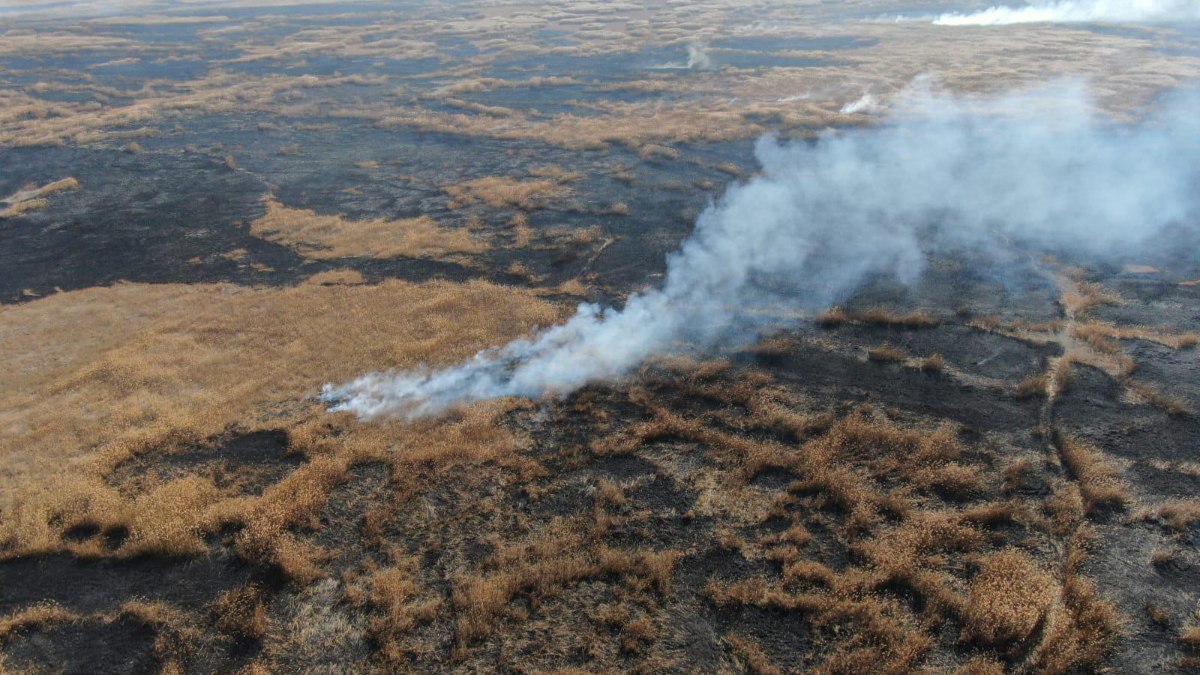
[(822, 217), (1079, 11)]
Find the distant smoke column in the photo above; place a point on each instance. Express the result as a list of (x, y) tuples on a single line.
[(698, 58), (823, 217), (1079, 11)]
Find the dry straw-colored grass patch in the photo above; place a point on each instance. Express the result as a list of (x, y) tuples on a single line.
[(877, 316), (34, 198), (1099, 479), (1080, 297), (326, 237), (97, 376), (1009, 597), (503, 192)]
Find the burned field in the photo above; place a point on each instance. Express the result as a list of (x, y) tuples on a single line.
[(798, 503), (211, 211)]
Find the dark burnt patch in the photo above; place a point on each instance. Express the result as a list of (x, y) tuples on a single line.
[(840, 377), (340, 526), (786, 636), (88, 586), (87, 647), (241, 464), (624, 467)]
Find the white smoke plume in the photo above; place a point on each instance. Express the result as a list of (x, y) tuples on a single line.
[(1079, 11), (698, 58), (822, 217), (867, 103)]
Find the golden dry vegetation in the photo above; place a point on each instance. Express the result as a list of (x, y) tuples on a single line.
[(324, 237), (33, 198), (160, 367), (501, 191)]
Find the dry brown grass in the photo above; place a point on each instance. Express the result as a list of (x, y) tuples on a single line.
[(76, 403), (1099, 480), (883, 316), (1009, 598), (1034, 385), (242, 612), (755, 660), (1177, 515), (1081, 627), (902, 538), (1172, 405), (33, 198), (1186, 468), (345, 277), (877, 316), (932, 364), (886, 353), (24, 206), (403, 600), (1190, 637), (1080, 297), (1159, 616), (327, 237), (501, 192), (541, 567), (176, 632), (980, 665), (37, 616)]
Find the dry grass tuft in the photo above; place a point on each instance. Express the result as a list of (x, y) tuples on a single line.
[(405, 604), (882, 316), (1099, 480), (1081, 629), (1177, 515), (346, 277), (980, 665), (1186, 468), (1080, 297), (37, 616), (877, 316), (886, 353), (933, 364), (540, 567), (501, 191), (1008, 598), (327, 237), (832, 317), (753, 658), (1034, 385), (1159, 616), (33, 198), (1153, 395), (169, 520), (242, 612), (1190, 637)]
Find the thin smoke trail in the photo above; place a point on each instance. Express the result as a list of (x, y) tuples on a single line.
[(823, 217), (1079, 11)]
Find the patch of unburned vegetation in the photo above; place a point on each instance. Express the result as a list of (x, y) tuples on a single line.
[(504, 192), (33, 198), (324, 237)]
